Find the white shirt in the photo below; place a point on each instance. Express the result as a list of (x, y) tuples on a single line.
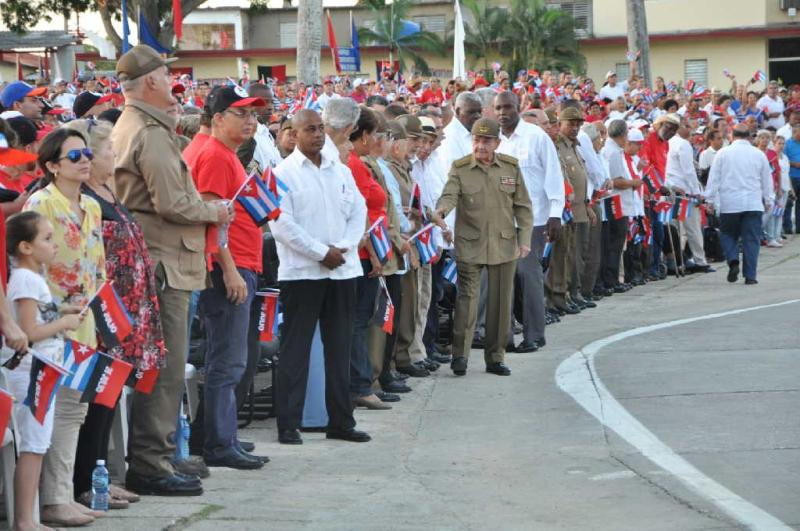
[(786, 183), (65, 100), (538, 160), (773, 106), (612, 93), (740, 179), (615, 156), (266, 152), (680, 166), (594, 168), (431, 179), (706, 158), (636, 194), (785, 131), (457, 143), (322, 207), (323, 99), (25, 284)]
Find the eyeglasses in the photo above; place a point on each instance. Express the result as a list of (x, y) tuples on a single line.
[(74, 155), (242, 114)]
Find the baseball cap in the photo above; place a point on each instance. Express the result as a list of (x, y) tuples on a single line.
[(411, 124), (141, 60), (25, 129), (635, 135), (17, 91), (570, 113), (609, 74), (223, 98), (486, 127), (13, 157), (428, 126), (178, 88), (87, 100)]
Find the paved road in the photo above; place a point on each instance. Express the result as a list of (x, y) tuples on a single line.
[(485, 452)]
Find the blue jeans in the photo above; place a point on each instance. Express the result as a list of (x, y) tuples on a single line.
[(360, 366), (787, 214), (658, 242), (226, 326), (747, 226)]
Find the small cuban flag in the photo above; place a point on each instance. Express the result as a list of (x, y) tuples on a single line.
[(760, 75), (778, 210), (80, 360), (450, 272), (275, 185), (425, 246), (379, 236), (310, 101), (259, 201)]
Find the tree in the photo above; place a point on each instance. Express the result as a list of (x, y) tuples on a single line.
[(487, 31), (541, 37), (392, 30), (309, 40), (19, 15), (638, 39)]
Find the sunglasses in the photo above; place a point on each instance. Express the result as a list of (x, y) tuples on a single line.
[(74, 155)]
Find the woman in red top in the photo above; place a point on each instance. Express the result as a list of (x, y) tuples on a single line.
[(364, 138)]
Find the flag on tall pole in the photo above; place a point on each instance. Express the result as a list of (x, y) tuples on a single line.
[(177, 19), (332, 44), (459, 66), (354, 43), (126, 30)]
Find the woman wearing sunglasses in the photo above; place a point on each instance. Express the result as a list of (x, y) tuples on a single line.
[(74, 275), (129, 266)]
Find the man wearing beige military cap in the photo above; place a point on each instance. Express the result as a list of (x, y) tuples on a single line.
[(494, 222), (154, 183)]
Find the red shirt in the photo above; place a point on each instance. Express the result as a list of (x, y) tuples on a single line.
[(372, 192), (18, 185), (429, 96), (4, 259), (191, 152), (217, 170), (655, 152)]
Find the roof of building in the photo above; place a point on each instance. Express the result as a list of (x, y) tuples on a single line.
[(10, 40)]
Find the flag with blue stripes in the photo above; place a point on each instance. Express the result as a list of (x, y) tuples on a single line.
[(778, 210), (379, 236), (259, 202), (450, 271), (80, 361), (425, 246), (566, 215), (310, 101)]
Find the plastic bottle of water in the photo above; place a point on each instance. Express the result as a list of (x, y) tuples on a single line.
[(183, 441), (100, 487)]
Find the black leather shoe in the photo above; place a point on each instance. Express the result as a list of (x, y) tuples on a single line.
[(510, 347), (173, 485), (603, 292), (574, 306), (395, 386), (348, 435), (570, 310), (477, 343), (191, 469), (397, 376), (541, 342), (233, 459), (459, 366), (263, 458), (733, 271), (414, 371), (587, 303), (498, 368), (750, 281), (619, 288), (429, 364), (247, 446), (289, 437), (387, 397), (526, 346)]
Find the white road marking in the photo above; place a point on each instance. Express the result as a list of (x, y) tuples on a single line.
[(622, 474), (578, 377)]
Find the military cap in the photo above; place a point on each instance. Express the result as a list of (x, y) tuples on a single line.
[(551, 116), (570, 113), (411, 124), (486, 127), (141, 60), (396, 130)]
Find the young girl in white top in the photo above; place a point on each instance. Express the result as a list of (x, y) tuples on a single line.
[(772, 223), (29, 241)]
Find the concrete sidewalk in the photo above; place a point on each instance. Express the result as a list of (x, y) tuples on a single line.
[(486, 452)]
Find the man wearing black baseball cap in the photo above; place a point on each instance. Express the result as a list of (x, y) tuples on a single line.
[(225, 305), (90, 104), (154, 183)]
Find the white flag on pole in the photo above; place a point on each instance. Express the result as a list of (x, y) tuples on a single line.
[(459, 66)]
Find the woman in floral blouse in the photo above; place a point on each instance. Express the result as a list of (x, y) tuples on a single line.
[(73, 277), (128, 264)]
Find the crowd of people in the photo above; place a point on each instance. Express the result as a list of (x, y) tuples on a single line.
[(412, 223)]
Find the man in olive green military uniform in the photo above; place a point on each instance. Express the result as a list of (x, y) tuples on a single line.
[(494, 223), (563, 253)]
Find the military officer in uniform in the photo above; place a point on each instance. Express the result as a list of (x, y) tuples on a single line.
[(494, 223), (562, 260)]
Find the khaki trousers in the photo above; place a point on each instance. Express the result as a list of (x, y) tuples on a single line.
[(406, 329), (417, 351), (499, 294), (151, 444), (692, 232), (563, 254), (59, 461)]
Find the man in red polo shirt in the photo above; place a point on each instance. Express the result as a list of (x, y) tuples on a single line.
[(225, 306)]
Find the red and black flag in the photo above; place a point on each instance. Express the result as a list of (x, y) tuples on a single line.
[(111, 318), (143, 381), (45, 380), (107, 381), (266, 319), (384, 309)]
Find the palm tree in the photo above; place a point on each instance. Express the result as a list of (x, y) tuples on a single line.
[(309, 40), (541, 37), (390, 30), (487, 31)]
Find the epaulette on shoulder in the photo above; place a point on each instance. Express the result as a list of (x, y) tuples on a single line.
[(463, 161), (508, 158)]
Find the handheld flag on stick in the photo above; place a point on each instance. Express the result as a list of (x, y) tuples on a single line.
[(379, 236), (112, 319), (384, 309), (143, 381), (45, 379), (80, 360), (266, 319), (259, 202), (450, 271), (425, 247), (548, 249), (616, 206), (760, 75), (107, 381)]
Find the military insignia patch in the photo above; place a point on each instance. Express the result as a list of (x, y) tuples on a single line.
[(506, 180)]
